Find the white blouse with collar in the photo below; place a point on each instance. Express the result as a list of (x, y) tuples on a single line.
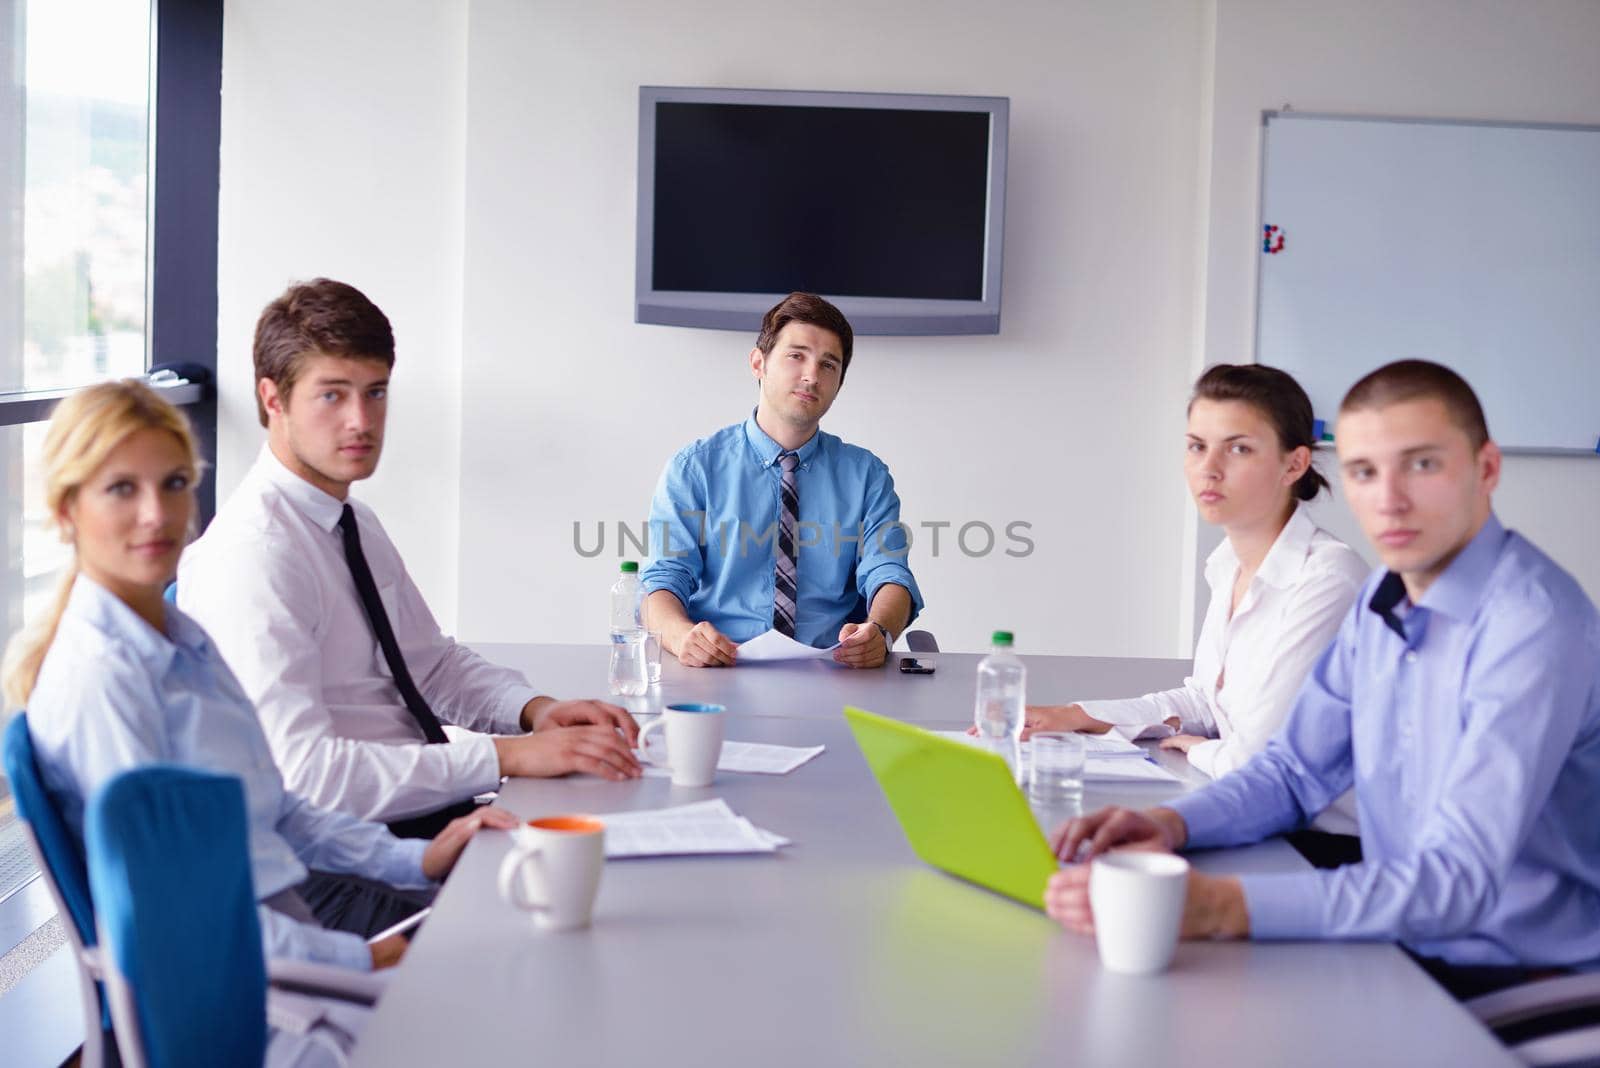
[(1249, 667)]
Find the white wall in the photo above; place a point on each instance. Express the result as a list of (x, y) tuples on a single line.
[(1469, 59), (343, 130), (572, 410), (473, 169)]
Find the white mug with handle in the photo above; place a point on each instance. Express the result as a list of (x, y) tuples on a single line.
[(553, 870), (1137, 900), (694, 742)]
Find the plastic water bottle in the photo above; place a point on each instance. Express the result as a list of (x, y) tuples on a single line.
[(1002, 698), (627, 635)]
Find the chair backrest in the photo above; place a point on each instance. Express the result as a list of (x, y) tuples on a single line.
[(169, 868), (59, 850)]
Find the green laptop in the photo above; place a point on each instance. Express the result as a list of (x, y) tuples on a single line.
[(958, 805)]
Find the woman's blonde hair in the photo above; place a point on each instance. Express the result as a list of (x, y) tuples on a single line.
[(84, 430)]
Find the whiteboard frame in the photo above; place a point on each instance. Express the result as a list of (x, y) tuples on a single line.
[(1261, 196)]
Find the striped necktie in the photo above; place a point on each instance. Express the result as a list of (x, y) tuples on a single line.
[(784, 590)]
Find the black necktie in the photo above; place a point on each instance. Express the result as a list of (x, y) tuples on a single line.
[(368, 591)]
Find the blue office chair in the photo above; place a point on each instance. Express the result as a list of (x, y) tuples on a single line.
[(169, 867), (170, 875), (61, 862)]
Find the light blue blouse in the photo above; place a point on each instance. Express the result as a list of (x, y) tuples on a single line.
[(114, 693)]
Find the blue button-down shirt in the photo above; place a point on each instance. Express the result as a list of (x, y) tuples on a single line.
[(114, 693), (1469, 724), (714, 526)]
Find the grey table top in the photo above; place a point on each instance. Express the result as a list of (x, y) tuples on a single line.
[(813, 689), (844, 949)]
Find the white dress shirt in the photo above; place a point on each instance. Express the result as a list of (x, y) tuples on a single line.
[(115, 694), (1249, 667), (270, 582)]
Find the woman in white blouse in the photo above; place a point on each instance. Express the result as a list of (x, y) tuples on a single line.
[(1280, 585)]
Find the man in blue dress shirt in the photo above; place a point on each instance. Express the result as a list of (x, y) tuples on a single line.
[(1461, 699), (771, 524)]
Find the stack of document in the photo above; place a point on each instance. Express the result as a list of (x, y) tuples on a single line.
[(756, 757), (685, 830), (1110, 758)]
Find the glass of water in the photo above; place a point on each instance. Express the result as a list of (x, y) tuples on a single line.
[(1058, 760), (652, 657), (628, 672)]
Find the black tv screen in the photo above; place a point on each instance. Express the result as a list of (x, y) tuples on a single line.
[(888, 205)]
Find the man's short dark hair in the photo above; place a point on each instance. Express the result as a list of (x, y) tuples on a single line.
[(813, 310), (320, 317), (1408, 380)]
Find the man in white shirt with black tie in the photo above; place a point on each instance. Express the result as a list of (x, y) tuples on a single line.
[(311, 606)]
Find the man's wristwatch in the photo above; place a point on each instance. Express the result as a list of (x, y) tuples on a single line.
[(888, 639)]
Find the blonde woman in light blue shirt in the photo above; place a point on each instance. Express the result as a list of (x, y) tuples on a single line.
[(113, 677)]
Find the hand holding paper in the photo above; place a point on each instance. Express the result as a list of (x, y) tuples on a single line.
[(775, 646)]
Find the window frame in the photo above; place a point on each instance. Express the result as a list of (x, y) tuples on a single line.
[(185, 130), (185, 139)]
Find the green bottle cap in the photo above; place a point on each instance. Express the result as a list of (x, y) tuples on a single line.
[(1002, 637), (630, 566)]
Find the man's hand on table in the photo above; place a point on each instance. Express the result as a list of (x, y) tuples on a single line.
[(699, 645), (1214, 906), (543, 713), (862, 645), (593, 748)]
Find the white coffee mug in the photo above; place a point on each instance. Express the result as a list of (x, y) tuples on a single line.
[(553, 870), (1137, 900), (694, 742)]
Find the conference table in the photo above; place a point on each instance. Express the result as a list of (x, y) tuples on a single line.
[(844, 948)]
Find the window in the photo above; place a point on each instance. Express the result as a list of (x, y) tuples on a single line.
[(85, 113), (109, 114), (79, 112)]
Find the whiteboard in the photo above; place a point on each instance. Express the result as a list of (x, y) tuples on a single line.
[(1475, 245)]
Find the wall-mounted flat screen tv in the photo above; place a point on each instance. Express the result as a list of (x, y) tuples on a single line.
[(890, 205)]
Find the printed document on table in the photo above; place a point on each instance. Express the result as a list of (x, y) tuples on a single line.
[(775, 646), (1119, 769), (1107, 761), (753, 757), (685, 830), (1095, 745)]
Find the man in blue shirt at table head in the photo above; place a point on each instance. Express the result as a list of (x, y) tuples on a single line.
[(771, 524), (1461, 699)]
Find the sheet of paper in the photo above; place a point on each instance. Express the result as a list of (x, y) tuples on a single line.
[(1113, 763), (1119, 769), (685, 830), (775, 646), (1096, 745), (1109, 744), (752, 757)]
